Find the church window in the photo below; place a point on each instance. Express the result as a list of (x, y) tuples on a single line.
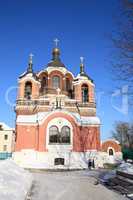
[(68, 88), (6, 137), (56, 82), (53, 134), (111, 153), (5, 148), (43, 83), (28, 90), (65, 134), (84, 93), (56, 137), (68, 84)]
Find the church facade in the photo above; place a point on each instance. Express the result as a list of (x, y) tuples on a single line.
[(56, 122)]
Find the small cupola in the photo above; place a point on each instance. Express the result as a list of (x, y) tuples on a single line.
[(56, 61), (30, 64), (82, 73), (29, 70)]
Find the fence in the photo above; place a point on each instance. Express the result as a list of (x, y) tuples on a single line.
[(5, 155)]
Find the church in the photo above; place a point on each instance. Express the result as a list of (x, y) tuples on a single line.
[(56, 121)]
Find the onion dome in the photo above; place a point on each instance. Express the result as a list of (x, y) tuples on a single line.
[(82, 71), (29, 68), (56, 61), (30, 65)]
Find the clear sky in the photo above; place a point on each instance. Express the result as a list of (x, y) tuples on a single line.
[(82, 26)]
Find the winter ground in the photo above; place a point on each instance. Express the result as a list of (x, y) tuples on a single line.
[(76, 185), (15, 182)]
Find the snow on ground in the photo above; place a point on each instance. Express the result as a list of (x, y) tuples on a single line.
[(105, 176), (15, 182), (72, 185), (126, 167)]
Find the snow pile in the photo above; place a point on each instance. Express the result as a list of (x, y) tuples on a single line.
[(109, 175), (126, 167), (14, 181), (104, 178)]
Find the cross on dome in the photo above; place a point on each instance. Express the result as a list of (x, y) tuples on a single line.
[(30, 64), (82, 59), (30, 58), (56, 41), (81, 65)]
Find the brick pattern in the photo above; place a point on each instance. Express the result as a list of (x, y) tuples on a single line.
[(110, 143), (35, 89), (78, 92), (84, 138), (26, 137)]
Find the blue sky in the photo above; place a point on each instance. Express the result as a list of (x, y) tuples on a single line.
[(82, 28)]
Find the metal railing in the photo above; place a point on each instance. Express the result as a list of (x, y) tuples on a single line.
[(5, 155), (46, 103), (80, 104), (32, 102)]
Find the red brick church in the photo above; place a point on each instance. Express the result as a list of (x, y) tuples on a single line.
[(56, 122)]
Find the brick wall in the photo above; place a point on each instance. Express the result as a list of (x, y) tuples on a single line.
[(110, 143), (84, 138)]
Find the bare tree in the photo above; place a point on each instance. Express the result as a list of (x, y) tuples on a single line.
[(123, 132), (123, 43)]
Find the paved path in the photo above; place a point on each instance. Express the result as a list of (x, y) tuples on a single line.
[(69, 186)]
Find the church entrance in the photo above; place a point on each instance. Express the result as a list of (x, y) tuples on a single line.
[(59, 161)]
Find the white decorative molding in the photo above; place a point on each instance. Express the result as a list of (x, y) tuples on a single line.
[(84, 80), (28, 78), (41, 117)]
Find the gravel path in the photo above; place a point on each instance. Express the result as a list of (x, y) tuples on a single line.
[(70, 186)]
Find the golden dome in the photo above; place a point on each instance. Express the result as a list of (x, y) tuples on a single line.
[(56, 62), (56, 51)]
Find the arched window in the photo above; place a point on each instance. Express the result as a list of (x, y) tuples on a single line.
[(28, 90), (53, 134), (69, 88), (56, 82), (68, 85), (43, 83), (62, 137), (84, 93), (65, 134), (111, 153)]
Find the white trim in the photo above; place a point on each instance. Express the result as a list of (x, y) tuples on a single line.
[(50, 69), (42, 71), (27, 124), (40, 117), (112, 149), (36, 124), (28, 78), (111, 139), (81, 81)]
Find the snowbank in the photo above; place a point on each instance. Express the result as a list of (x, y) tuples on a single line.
[(104, 178), (14, 181), (126, 167)]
